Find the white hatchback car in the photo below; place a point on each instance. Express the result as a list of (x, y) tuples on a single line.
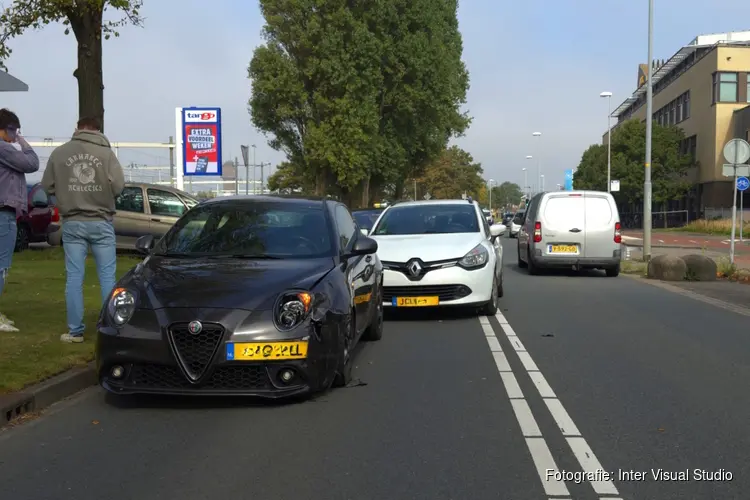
[(439, 253)]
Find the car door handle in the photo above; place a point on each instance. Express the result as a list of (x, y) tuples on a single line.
[(155, 220), (575, 230)]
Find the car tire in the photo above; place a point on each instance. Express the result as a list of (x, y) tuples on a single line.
[(532, 268), (521, 264), (22, 238), (343, 375), (490, 308), (374, 332), (613, 272)]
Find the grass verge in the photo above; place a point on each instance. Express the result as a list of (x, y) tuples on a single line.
[(718, 227), (34, 298), (633, 267)]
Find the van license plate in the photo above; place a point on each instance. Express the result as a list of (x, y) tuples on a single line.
[(562, 249)]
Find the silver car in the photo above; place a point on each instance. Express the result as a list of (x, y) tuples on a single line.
[(142, 209), (564, 229)]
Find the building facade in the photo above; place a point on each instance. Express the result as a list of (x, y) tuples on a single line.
[(705, 90)]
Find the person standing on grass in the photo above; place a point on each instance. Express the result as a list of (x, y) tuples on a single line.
[(86, 177), (16, 160)]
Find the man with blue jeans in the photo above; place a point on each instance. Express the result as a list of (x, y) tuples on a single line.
[(16, 160), (85, 177)]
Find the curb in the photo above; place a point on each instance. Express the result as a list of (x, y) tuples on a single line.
[(37, 397), (683, 247)]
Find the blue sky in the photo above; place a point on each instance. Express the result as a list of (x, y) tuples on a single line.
[(537, 65)]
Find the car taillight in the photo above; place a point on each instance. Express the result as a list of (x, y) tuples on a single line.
[(537, 232), (618, 233), (55, 215)]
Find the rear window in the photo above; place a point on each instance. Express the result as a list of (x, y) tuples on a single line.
[(518, 218), (598, 213)]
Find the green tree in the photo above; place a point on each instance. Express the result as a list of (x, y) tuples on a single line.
[(359, 94), (669, 164), (86, 19), (452, 174), (507, 193)]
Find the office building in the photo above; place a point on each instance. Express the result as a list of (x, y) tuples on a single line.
[(704, 89)]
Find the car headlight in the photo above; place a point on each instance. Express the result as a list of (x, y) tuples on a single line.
[(121, 306), (291, 309), (477, 257)]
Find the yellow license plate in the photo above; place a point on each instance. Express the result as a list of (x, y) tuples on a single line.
[(563, 249), (415, 301), (266, 351)]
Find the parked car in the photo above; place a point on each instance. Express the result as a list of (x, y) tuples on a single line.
[(366, 217), (262, 296), (440, 253), (579, 229), (515, 223), (42, 219), (143, 209)]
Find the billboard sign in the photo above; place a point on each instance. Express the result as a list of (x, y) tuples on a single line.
[(569, 180), (201, 141)]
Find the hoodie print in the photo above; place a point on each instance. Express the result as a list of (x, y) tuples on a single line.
[(84, 168)]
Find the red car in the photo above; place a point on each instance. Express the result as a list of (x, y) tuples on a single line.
[(42, 219)]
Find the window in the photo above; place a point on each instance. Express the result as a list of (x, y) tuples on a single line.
[(679, 108), (672, 116), (686, 106), (366, 218), (429, 219), (725, 87), (131, 200), (190, 202), (346, 227), (39, 198), (250, 229), (165, 203), (518, 218), (486, 225)]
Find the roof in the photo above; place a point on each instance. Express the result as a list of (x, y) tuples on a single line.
[(432, 202), (701, 41), (9, 83), (267, 198)]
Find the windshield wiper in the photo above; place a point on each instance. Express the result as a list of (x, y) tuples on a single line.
[(176, 255), (245, 256)]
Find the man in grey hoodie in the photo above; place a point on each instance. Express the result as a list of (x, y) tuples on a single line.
[(86, 177), (16, 160)]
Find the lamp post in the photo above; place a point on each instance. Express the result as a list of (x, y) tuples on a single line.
[(538, 160), (541, 178), (608, 96), (649, 125), (489, 183), (526, 186)]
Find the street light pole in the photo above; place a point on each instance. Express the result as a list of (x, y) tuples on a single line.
[(490, 190), (608, 95), (527, 187), (649, 125), (538, 159), (542, 181)]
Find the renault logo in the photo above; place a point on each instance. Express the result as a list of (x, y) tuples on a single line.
[(414, 268), (195, 327)]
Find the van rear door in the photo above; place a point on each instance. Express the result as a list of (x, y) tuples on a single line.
[(601, 216), (563, 225)]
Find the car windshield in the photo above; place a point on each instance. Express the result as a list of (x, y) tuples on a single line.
[(366, 218), (250, 229), (428, 219)]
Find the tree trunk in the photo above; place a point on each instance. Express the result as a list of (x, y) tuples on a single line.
[(398, 191), (366, 191), (87, 27)]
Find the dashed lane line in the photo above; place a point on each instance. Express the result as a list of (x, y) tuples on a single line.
[(577, 443), (537, 445)]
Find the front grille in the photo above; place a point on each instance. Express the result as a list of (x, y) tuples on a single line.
[(443, 292), (195, 352), (248, 377)]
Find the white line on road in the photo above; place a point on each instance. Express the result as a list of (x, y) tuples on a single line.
[(576, 442)]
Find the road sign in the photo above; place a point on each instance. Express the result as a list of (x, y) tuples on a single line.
[(729, 170), (614, 185), (743, 183), (427, 196), (737, 151)]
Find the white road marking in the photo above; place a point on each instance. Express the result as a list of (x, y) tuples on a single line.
[(494, 344), (484, 320), (661, 241), (526, 420), (692, 241), (488, 331), (537, 445), (540, 453)]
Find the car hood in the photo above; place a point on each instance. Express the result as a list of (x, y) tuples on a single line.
[(428, 247), (163, 282)]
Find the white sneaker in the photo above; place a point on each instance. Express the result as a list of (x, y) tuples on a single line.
[(7, 327), (4, 319), (71, 339)]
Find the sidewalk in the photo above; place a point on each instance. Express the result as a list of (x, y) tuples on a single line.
[(741, 260)]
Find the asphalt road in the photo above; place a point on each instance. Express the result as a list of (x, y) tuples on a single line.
[(596, 374)]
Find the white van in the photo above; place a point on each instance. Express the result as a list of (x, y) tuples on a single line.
[(564, 229)]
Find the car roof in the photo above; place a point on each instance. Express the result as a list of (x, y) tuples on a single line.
[(434, 202), (273, 198), (367, 210)]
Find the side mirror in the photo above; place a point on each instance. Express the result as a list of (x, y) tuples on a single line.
[(145, 244), (497, 230), (363, 231), (364, 246)]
